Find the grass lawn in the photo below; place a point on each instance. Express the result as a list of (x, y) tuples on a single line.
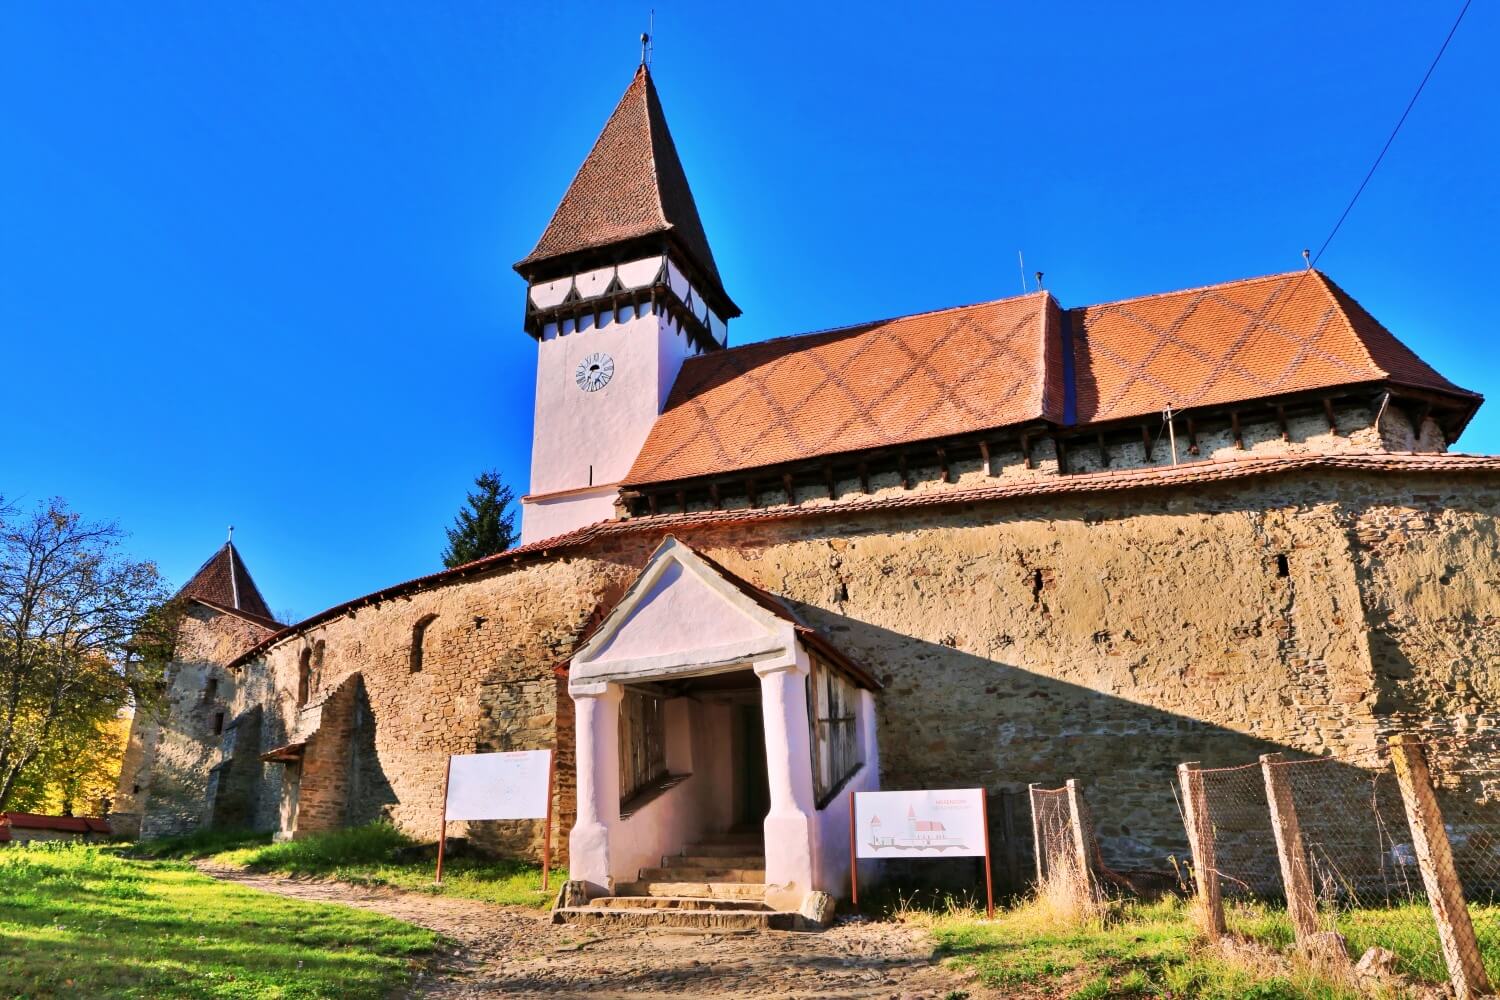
[(1134, 950), (79, 921), (377, 854)]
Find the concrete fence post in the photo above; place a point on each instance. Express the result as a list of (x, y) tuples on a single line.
[(1301, 904), (1083, 857), (1201, 841), (1439, 876), (1036, 835)]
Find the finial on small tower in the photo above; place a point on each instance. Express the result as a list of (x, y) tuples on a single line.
[(230, 539), (1307, 258), (646, 45), (1039, 279)]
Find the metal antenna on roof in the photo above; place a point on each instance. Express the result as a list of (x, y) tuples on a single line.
[(646, 46), (1039, 279), (1307, 258), (1021, 260)]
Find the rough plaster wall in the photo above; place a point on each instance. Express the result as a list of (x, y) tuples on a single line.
[(1106, 639), (487, 683), (186, 747)]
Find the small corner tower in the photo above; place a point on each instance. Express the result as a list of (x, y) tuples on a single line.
[(622, 289)]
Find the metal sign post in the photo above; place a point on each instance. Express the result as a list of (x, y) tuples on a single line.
[(443, 830)]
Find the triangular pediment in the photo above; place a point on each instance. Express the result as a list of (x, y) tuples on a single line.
[(682, 616)]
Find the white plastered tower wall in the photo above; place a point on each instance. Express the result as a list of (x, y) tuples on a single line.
[(586, 434)]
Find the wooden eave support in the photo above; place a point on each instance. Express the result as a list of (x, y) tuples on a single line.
[(1062, 454), (1103, 452), (942, 455), (786, 485), (830, 481), (1333, 424), (713, 495), (864, 476), (1286, 434), (905, 472), (750, 496), (1234, 424), (1026, 450), (682, 501), (651, 503), (984, 456), (1192, 429), (1146, 441)]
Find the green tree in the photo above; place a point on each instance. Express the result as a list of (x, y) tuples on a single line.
[(485, 525), (84, 631)]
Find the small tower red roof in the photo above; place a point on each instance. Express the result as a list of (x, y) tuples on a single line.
[(224, 582)]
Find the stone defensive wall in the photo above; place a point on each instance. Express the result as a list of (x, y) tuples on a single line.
[(1102, 627)]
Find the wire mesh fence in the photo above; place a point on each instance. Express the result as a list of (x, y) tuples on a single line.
[(1349, 863), (1052, 825)]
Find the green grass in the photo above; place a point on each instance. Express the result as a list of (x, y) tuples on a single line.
[(1134, 950), (81, 921), (379, 854)]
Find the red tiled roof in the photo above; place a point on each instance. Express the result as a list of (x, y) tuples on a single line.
[(1108, 481), (224, 583), (891, 382), (67, 824), (630, 185), (1235, 342)]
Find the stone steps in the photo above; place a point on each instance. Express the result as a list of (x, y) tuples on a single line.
[(705, 920), (693, 889), (742, 861), (692, 873), (678, 903)]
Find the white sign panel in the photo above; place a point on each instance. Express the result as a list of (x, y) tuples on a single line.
[(498, 785), (929, 824)]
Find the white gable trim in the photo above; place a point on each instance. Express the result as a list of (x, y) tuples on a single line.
[(758, 634)]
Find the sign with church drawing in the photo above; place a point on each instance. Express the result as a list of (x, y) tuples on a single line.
[(945, 823)]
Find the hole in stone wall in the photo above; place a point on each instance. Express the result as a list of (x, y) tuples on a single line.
[(1283, 568), (418, 640), (218, 723), (1037, 583), (211, 689), (304, 677)]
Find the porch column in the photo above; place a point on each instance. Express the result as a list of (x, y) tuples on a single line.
[(596, 713), (789, 824)]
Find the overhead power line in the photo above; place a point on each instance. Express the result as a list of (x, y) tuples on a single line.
[(1384, 149)]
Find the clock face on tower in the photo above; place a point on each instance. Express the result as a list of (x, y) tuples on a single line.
[(594, 372)]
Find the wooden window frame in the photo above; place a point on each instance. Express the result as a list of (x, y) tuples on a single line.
[(643, 743), (833, 730)]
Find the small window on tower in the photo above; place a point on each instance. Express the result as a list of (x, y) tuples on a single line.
[(304, 677), (211, 689), (419, 641), (218, 723)]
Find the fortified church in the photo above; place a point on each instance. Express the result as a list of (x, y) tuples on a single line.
[(1003, 543)]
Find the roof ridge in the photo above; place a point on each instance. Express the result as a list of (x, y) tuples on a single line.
[(1343, 313), (1188, 291), (646, 93), (872, 322)]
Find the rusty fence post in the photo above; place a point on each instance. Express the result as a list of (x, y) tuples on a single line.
[(1301, 904), (1201, 841), (1435, 857)]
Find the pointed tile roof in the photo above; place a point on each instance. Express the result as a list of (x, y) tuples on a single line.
[(631, 185), (224, 583)]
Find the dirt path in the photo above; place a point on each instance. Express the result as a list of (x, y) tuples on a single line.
[(512, 952)]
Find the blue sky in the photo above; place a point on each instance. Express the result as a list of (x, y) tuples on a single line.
[(255, 258)]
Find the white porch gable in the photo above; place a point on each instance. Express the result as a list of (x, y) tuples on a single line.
[(681, 617)]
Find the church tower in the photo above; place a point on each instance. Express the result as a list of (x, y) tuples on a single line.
[(622, 289)]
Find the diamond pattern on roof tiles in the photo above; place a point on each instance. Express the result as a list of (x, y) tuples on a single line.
[(1237, 342), (881, 384)]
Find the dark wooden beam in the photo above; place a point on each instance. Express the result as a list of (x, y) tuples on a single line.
[(864, 476), (1239, 435), (984, 455), (713, 494), (1062, 455), (682, 501), (651, 503), (1146, 441), (942, 454), (1333, 424), (828, 478), (905, 473), (1026, 450), (1103, 452), (750, 492), (1286, 434), (786, 484), (1192, 436)]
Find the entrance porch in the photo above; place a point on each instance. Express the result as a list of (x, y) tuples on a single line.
[(717, 740)]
